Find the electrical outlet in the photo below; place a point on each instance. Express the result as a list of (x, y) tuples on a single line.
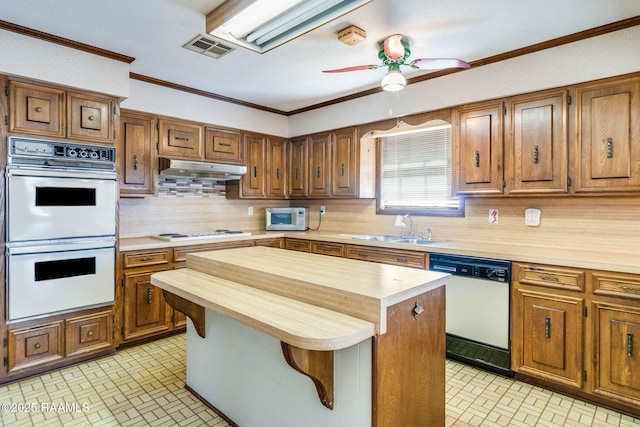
[(322, 211), (532, 217), (250, 211)]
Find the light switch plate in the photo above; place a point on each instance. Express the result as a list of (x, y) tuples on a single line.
[(532, 217)]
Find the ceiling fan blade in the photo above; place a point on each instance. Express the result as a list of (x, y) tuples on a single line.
[(356, 68), (393, 47), (438, 63)]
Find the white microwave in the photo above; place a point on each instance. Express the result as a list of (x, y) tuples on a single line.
[(286, 219)]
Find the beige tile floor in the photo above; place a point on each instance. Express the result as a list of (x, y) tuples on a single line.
[(144, 386)]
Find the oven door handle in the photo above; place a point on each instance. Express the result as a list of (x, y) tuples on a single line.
[(61, 173), (60, 247)]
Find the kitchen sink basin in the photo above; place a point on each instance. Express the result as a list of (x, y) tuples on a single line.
[(418, 241), (378, 238)]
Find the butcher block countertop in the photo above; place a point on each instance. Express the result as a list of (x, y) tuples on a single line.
[(590, 258), (310, 301)]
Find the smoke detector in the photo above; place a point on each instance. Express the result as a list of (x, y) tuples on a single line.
[(352, 35)]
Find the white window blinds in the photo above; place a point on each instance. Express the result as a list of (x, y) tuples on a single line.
[(416, 170)]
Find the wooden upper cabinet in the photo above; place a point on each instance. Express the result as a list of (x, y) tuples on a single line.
[(253, 183), (536, 143), (297, 167), (344, 159), (180, 139), (276, 167), (478, 150), (319, 165), (608, 136), (90, 117), (37, 110), (222, 145), (136, 153)]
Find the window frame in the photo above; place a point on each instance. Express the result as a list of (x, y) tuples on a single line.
[(415, 211)]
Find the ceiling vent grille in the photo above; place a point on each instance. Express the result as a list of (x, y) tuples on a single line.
[(209, 46)]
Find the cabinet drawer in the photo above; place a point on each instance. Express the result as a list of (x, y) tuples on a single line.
[(552, 277), (297, 245), (621, 285), (180, 254), (34, 346), (90, 333), (387, 256), (325, 248), (272, 243), (146, 258)]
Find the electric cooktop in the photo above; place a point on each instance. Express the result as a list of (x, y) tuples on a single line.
[(173, 237)]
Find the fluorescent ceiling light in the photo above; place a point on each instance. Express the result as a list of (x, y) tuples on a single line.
[(262, 25)]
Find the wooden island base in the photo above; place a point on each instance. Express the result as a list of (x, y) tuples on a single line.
[(264, 363)]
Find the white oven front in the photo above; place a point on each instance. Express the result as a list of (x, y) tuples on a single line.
[(59, 277), (52, 204)]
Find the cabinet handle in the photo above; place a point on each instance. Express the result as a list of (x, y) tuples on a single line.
[(318, 172), (180, 138), (547, 327), (135, 162), (147, 258), (342, 169), (278, 173), (550, 278), (627, 288), (255, 171), (536, 155), (401, 259), (296, 173), (417, 311), (224, 144), (477, 159), (37, 346), (38, 109), (609, 148), (363, 254), (629, 345), (149, 290), (90, 333)]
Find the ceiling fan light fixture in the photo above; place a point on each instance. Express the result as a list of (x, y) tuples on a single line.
[(393, 81)]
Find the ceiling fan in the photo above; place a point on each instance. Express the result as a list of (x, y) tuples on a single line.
[(394, 51)]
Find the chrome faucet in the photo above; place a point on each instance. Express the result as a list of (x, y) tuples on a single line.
[(410, 225)]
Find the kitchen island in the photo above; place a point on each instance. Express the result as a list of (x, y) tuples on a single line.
[(284, 338)]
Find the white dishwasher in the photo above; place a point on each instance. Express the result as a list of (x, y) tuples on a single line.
[(478, 301)]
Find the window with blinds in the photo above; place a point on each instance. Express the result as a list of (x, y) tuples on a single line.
[(416, 172)]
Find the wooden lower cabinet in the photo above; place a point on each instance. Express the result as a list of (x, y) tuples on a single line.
[(400, 257), (33, 346), (301, 245), (277, 242)]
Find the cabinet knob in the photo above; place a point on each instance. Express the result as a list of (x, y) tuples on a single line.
[(417, 311), (90, 333), (91, 118), (37, 346), (38, 109)]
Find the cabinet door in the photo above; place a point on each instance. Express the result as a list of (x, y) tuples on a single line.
[(87, 334), (90, 118), (145, 311), (253, 183), (136, 153), (538, 144), (34, 346), (608, 143), (319, 165), (478, 149), (344, 179), (180, 140), (618, 352), (297, 167), (276, 168), (222, 145), (36, 110), (547, 336)]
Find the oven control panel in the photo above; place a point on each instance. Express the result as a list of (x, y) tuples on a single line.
[(22, 148)]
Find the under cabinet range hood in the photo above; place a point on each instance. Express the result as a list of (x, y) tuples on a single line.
[(170, 168)]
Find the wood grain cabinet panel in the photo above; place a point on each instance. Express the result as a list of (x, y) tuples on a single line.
[(90, 117), (37, 109), (222, 146), (608, 140), (86, 334), (327, 248), (537, 143), (254, 182), (319, 165), (478, 149), (277, 242), (297, 167), (145, 310), (180, 139), (30, 347), (137, 159), (276, 168), (297, 245), (344, 159), (387, 256)]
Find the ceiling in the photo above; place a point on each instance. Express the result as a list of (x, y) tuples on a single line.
[(290, 77)]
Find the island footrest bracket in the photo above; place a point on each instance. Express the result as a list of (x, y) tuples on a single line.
[(192, 310), (317, 365)]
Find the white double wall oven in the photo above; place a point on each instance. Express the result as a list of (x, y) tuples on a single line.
[(61, 227)]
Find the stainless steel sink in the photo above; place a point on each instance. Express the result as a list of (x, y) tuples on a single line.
[(418, 241), (378, 238)]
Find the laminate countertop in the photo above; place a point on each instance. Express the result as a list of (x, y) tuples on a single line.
[(621, 262), (307, 300)]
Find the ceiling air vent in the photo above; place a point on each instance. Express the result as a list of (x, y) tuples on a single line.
[(209, 46)]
